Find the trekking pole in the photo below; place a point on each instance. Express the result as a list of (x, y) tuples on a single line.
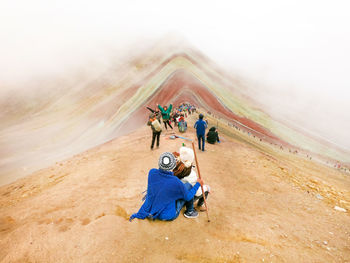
[(199, 175)]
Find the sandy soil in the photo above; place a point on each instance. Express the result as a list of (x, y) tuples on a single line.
[(266, 206)]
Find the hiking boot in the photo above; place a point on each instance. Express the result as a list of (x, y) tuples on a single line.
[(191, 214), (202, 208)]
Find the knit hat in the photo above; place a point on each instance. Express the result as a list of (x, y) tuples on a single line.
[(186, 156), (201, 116), (167, 161)]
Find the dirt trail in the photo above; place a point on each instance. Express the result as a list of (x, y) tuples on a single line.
[(266, 206)]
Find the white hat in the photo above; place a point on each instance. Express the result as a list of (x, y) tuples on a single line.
[(186, 156)]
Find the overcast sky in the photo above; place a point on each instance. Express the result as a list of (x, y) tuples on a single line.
[(297, 52)]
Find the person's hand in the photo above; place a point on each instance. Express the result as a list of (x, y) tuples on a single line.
[(199, 180)]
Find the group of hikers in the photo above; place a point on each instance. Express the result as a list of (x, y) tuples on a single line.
[(171, 187), (177, 116), (175, 184)]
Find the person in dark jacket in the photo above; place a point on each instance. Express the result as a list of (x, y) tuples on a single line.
[(166, 194), (212, 136), (200, 127), (154, 122), (166, 115)]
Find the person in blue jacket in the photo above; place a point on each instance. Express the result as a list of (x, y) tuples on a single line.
[(166, 194), (200, 126)]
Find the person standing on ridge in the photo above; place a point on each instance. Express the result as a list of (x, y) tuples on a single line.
[(166, 115), (200, 126), (154, 122), (175, 116)]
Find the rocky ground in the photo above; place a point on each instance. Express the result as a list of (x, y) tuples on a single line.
[(266, 205)]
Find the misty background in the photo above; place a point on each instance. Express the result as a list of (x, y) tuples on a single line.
[(293, 55)]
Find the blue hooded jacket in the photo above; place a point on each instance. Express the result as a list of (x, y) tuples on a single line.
[(200, 126), (163, 190)]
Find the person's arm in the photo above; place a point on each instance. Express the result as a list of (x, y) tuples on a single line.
[(170, 108), (195, 125), (190, 194), (161, 108), (217, 136)]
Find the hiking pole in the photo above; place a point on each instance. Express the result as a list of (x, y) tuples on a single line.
[(151, 110), (177, 136), (199, 175)]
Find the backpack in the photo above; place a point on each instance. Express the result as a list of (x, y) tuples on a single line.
[(156, 125), (182, 126)]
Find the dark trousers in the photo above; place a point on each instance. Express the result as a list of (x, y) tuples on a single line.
[(181, 202), (167, 122), (201, 138), (154, 135)]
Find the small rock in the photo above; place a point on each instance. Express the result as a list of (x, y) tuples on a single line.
[(331, 233), (318, 196), (328, 248), (166, 238), (340, 209), (325, 242)]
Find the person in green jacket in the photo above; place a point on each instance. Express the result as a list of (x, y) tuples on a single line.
[(213, 136), (166, 115)]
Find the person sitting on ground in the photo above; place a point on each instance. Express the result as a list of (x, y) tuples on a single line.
[(182, 118), (154, 122), (166, 194), (213, 136), (200, 127), (184, 170), (166, 115), (182, 124)]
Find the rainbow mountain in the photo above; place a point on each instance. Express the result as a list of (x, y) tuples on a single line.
[(93, 108)]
